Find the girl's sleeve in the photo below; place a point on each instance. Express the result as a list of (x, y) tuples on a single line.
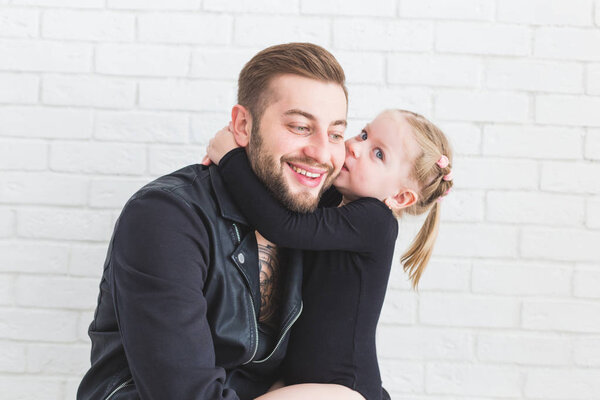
[(357, 226)]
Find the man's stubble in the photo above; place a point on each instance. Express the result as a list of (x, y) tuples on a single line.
[(270, 172)]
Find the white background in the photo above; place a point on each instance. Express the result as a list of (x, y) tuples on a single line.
[(98, 97)]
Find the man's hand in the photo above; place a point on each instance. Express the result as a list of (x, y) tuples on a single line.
[(219, 145)]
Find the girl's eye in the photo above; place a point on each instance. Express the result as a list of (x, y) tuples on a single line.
[(379, 154), (363, 135)]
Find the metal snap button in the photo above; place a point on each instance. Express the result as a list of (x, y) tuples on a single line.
[(241, 258)]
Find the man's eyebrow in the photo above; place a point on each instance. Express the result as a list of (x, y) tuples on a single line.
[(309, 116)]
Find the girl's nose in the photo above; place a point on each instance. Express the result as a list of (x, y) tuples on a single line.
[(353, 149)]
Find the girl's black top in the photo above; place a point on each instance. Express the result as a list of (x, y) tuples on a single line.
[(346, 269)]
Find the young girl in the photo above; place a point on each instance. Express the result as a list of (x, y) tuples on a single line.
[(399, 163)]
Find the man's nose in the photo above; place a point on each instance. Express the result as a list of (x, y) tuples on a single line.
[(319, 148)]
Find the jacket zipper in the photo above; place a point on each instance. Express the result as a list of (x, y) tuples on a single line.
[(255, 329), (121, 386), (287, 328)]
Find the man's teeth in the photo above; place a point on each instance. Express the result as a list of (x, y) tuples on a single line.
[(305, 173)]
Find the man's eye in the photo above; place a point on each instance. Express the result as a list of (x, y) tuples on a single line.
[(300, 129), (363, 135), (336, 137), (379, 154)]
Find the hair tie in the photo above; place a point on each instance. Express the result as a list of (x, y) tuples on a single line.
[(448, 177), (443, 162), (439, 199)]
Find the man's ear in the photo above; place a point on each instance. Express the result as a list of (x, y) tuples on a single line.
[(241, 125), (403, 199)]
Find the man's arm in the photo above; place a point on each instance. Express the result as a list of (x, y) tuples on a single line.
[(159, 265)]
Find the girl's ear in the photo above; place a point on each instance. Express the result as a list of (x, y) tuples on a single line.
[(401, 200), (241, 125)]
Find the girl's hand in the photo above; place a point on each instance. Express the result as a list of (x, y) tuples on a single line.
[(221, 144)]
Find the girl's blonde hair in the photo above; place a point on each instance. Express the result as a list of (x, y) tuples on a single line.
[(432, 187)]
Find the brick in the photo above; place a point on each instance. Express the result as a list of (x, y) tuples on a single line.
[(535, 208), (382, 8), (64, 224), (133, 126), (252, 6), (495, 173), (12, 357), (421, 343), (88, 25), (562, 384), (593, 79), (205, 125), (484, 241), (399, 308), (367, 101), (586, 351), (7, 223), (92, 91), (187, 95), (56, 292), (482, 38), (561, 316), (463, 206), (46, 122), (473, 380), (45, 56), (289, 29), (574, 110), (465, 138), (142, 60), (62, 3), (585, 283), (18, 88), (523, 349), (29, 388), (210, 29), (386, 35), (567, 44), (113, 193), (100, 158), (592, 144), (154, 4), (521, 278), (440, 9), (560, 244), (18, 23), (166, 159), (23, 155), (593, 213), (407, 377), (570, 177), (37, 325), (33, 258), (531, 141), (360, 67), (446, 275), (87, 260), (536, 76), (434, 70), (58, 358), (481, 106), (545, 12), (218, 63), (6, 290), (42, 188), (597, 12), (72, 386), (468, 310)]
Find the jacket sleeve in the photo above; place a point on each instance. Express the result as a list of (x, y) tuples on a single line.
[(356, 226), (159, 263)]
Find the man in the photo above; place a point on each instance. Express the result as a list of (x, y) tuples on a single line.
[(193, 303)]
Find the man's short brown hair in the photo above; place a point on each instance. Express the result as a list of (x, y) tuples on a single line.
[(304, 59)]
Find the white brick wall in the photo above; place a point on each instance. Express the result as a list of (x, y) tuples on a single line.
[(98, 97)]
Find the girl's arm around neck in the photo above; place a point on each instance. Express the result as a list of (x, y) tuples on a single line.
[(358, 226)]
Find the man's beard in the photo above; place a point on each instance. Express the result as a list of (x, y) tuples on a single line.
[(270, 172)]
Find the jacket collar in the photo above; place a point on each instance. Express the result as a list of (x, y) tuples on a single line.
[(227, 207)]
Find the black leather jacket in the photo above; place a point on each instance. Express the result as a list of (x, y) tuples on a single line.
[(179, 298)]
